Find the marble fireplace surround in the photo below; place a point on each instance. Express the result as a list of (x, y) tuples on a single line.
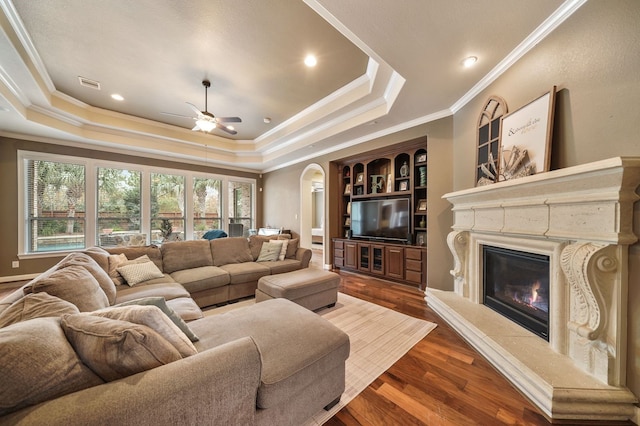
[(582, 218)]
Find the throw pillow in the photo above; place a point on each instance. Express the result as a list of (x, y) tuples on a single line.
[(255, 245), (270, 251), (292, 248), (283, 251), (87, 262), (114, 349), (136, 273), (116, 260), (154, 318), (37, 364), (36, 305), (74, 284), (161, 303)]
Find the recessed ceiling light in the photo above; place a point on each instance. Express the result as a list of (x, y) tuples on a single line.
[(467, 62), (267, 120), (310, 61), (117, 97)]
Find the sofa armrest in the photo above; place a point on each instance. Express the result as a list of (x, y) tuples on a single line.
[(216, 386), (304, 256)]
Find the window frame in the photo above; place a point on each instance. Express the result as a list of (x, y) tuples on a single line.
[(91, 194)]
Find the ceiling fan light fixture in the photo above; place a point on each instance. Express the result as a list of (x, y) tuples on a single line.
[(206, 125)]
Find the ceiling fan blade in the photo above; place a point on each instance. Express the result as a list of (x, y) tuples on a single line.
[(176, 115), (194, 108), (226, 129), (228, 119)]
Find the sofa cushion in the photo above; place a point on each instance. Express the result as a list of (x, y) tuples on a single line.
[(292, 357), (230, 250), (282, 266), (168, 289), (186, 308), (153, 317), (114, 349), (180, 255), (240, 273), (168, 311), (100, 255), (136, 273), (37, 305), (203, 278), (255, 245), (84, 260), (270, 251), (134, 252), (37, 363), (74, 284)]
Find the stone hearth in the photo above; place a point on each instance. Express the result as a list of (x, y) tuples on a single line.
[(582, 218)]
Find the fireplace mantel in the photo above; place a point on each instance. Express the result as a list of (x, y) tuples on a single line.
[(582, 218)]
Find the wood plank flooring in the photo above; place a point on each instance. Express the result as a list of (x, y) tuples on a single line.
[(440, 381)]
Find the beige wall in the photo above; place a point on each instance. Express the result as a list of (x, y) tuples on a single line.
[(594, 60), (9, 189)]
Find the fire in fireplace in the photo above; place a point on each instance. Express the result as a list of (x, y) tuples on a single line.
[(516, 285)]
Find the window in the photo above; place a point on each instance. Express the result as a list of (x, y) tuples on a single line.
[(119, 207), (240, 206), (167, 207), (489, 139), (207, 205), (55, 205), (70, 203)]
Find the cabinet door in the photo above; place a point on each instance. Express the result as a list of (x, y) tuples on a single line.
[(377, 259), (364, 257), (350, 255), (395, 262)]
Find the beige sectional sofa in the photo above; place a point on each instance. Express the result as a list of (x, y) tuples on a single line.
[(219, 270), (76, 348)]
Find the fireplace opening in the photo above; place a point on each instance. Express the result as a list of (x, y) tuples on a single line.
[(516, 285)]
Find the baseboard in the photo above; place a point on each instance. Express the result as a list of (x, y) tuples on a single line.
[(327, 267), (636, 415), (13, 278)]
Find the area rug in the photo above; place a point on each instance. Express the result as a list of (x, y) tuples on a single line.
[(379, 337)]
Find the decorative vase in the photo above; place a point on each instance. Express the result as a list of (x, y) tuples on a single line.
[(423, 223), (404, 170), (423, 176)]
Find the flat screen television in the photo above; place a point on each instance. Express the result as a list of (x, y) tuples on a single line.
[(386, 219)]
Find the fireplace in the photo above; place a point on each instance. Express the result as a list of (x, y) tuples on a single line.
[(516, 285), (551, 252)]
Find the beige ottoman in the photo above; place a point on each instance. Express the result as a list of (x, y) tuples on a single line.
[(311, 288)]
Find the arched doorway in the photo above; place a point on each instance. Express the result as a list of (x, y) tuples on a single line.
[(312, 207)]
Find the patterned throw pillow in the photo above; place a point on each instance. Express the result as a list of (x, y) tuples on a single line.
[(138, 272)]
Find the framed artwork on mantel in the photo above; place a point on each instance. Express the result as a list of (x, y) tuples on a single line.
[(525, 138)]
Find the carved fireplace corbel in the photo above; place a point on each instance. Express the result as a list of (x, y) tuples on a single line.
[(458, 242), (591, 271)]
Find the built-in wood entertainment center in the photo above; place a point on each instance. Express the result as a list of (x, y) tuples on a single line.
[(383, 213)]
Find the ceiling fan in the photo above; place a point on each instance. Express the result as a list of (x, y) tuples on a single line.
[(205, 121)]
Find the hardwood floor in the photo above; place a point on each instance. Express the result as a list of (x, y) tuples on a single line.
[(440, 381)]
